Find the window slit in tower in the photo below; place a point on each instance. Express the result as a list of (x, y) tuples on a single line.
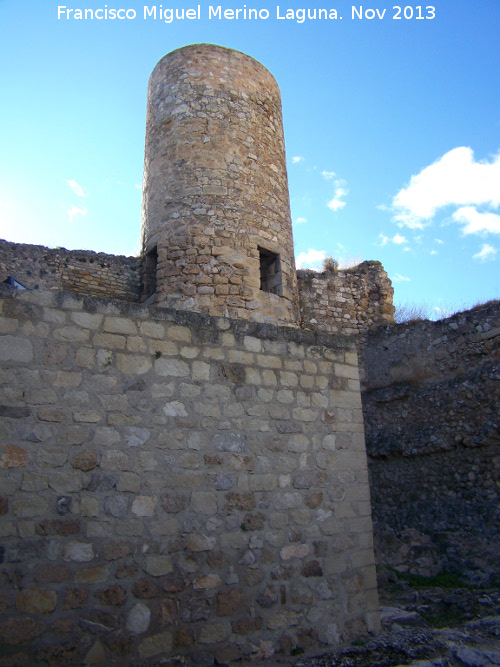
[(270, 272), (150, 266)]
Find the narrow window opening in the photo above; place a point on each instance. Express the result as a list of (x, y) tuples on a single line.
[(270, 272), (149, 274)]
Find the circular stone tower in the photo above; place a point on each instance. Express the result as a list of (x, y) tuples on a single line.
[(216, 226)]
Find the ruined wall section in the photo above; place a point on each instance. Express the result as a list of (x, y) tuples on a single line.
[(176, 484), (82, 271), (348, 301), (433, 437)]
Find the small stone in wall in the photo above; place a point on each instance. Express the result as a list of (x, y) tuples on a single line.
[(18, 630), (63, 504), (113, 596), (115, 550), (85, 461), (145, 588), (116, 506), (313, 500), (294, 551), (230, 602), (312, 569), (175, 409), (13, 457), (144, 505), (36, 601), (183, 638), (158, 566), (79, 552), (135, 436), (267, 598), (207, 582), (75, 598), (197, 542), (138, 619)]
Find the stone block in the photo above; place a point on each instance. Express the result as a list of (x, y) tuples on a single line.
[(267, 482), (87, 416), (152, 329), (87, 320), (179, 333), (85, 460), (13, 348), (20, 630), (129, 527), (78, 552), (204, 502), (66, 482), (138, 619), (197, 542), (156, 644), (294, 551), (92, 575), (13, 457), (52, 414), (144, 505), (109, 341), (133, 364), (158, 566), (27, 505), (72, 334), (114, 459), (119, 325), (171, 367)]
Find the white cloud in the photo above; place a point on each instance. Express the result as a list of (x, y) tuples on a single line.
[(398, 278), (300, 221), (475, 222), (297, 159), (486, 253), (77, 189), (312, 259), (397, 239), (336, 203), (455, 179), (328, 175), (74, 211)]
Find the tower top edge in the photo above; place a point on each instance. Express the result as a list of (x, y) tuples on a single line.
[(203, 49)]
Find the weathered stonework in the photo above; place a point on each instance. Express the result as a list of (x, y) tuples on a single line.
[(431, 414), (349, 301), (174, 483), (82, 271), (194, 484), (216, 212)]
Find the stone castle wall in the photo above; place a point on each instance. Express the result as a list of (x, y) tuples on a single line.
[(176, 484), (82, 271), (350, 301), (431, 416)]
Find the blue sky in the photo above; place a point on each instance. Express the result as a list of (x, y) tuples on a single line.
[(392, 130)]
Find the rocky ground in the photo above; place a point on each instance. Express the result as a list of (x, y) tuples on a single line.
[(428, 627), (431, 627)]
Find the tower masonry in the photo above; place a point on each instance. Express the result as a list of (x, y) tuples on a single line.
[(216, 225)]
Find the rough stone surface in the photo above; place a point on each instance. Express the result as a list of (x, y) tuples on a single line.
[(165, 526), (431, 403)]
